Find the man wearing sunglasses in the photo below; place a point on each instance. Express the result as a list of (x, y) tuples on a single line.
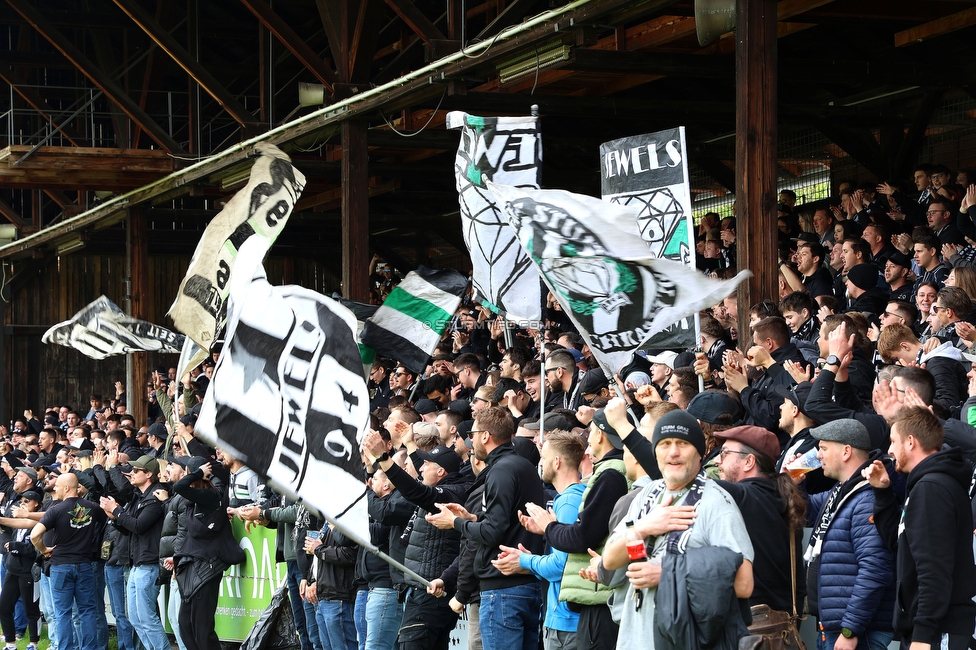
[(142, 520)]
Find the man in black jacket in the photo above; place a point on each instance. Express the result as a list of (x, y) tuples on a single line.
[(427, 620), (933, 537), (510, 605), (142, 520)]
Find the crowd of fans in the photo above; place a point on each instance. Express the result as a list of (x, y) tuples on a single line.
[(523, 489)]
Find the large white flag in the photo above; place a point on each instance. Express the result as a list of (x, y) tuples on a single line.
[(288, 395), (505, 150), (260, 209), (592, 257), (103, 330)]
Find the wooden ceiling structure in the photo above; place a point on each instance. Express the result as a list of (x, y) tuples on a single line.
[(135, 119)]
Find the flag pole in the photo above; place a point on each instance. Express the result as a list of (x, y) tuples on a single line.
[(534, 112), (376, 551), (701, 380)]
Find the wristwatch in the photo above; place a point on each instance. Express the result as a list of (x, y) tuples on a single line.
[(376, 463), (846, 632), (832, 360)]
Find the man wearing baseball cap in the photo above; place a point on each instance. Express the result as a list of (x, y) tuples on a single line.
[(142, 520), (747, 469), (683, 499), (850, 575), (427, 620)]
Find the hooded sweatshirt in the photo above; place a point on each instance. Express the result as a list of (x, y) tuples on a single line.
[(933, 542), (949, 368)]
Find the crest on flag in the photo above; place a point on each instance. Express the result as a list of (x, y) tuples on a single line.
[(260, 209), (103, 330), (288, 395), (592, 257), (506, 150)]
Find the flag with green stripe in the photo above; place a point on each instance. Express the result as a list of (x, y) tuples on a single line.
[(410, 323)]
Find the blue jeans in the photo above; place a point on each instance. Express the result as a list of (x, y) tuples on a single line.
[(312, 626), (871, 641), (70, 584), (510, 617), (115, 581), (359, 614), (140, 600), (383, 616), (173, 611), (47, 609), (337, 627), (101, 623), (297, 606)]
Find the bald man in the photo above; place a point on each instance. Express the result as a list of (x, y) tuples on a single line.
[(77, 525)]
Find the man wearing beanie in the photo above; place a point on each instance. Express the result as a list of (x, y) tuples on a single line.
[(698, 512), (863, 291)]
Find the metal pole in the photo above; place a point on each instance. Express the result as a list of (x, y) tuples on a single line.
[(701, 380)]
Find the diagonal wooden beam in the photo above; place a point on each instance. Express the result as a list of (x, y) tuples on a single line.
[(912, 144), (37, 102), (97, 76), (936, 28), (332, 13), (12, 215), (509, 16), (416, 20), (295, 44), (363, 42), (862, 148), (191, 66)]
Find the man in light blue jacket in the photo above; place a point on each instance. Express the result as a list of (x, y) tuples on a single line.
[(562, 454)]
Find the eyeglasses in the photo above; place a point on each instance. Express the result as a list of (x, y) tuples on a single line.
[(726, 452), (548, 370), (474, 431), (935, 309), (935, 212), (891, 315)]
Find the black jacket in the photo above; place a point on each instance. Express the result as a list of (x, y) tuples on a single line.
[(394, 512), (429, 550), (142, 521), (934, 546), (466, 586), (872, 301), (764, 512), (510, 483), (821, 408), (592, 528), (334, 568)]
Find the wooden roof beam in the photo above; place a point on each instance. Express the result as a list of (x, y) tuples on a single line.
[(416, 20), (936, 28), (191, 66), (97, 76), (13, 216), (295, 44)]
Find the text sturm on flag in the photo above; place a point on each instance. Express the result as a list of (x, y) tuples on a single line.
[(592, 257)]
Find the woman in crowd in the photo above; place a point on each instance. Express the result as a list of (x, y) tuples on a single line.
[(209, 548)]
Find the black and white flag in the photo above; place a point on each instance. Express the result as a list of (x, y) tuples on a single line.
[(505, 150), (592, 257), (650, 172), (288, 395), (103, 330), (261, 209)]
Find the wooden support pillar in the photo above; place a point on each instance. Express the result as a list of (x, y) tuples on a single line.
[(355, 212), (755, 154), (137, 251)]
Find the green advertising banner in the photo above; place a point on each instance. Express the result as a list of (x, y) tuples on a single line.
[(246, 589)]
